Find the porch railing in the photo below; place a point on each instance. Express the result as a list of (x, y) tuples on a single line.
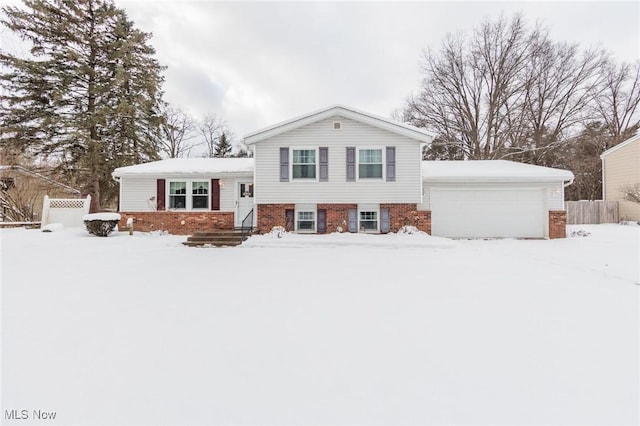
[(247, 225)]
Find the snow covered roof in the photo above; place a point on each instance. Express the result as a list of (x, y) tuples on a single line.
[(187, 166), (490, 170), (343, 111), (620, 145)]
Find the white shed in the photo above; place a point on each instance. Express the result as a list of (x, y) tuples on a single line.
[(491, 199)]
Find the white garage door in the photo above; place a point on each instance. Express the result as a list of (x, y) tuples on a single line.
[(487, 213)]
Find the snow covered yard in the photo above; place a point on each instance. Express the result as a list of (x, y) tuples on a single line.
[(348, 329)]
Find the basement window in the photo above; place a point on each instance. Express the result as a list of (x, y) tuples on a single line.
[(368, 221), (306, 221)]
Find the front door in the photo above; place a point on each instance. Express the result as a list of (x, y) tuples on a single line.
[(244, 201)]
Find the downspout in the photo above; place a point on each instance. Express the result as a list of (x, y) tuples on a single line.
[(117, 179), (604, 188), (564, 185)]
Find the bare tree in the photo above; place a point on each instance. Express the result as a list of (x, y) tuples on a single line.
[(211, 129), (561, 83), (178, 132), (617, 103), (472, 91), (505, 91)]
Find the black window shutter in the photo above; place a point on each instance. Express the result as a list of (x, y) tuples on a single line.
[(160, 194), (284, 164), (385, 221), (391, 163), (351, 164), (324, 164), (353, 220), (288, 219), (215, 194), (322, 221)]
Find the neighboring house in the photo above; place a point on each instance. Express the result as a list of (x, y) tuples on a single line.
[(621, 167), (340, 169), (26, 190)]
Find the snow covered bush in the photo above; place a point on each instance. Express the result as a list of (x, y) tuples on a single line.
[(408, 229), (101, 224), (278, 231), (579, 233)]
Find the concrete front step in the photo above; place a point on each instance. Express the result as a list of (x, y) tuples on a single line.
[(216, 238), (212, 243)]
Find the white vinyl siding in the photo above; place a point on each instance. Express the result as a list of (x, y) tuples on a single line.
[(426, 202), (407, 188), (138, 194), (555, 197)]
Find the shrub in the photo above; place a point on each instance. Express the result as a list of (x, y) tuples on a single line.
[(101, 224)]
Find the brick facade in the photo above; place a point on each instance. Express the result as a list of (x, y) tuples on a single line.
[(178, 223), (408, 214), (557, 224), (337, 216), (270, 215)]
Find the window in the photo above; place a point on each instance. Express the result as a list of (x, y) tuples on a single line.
[(370, 163), (200, 195), (304, 164), (177, 195), (368, 221), (306, 221), (189, 195), (246, 190)]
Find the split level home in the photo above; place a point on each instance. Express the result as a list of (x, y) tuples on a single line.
[(344, 170)]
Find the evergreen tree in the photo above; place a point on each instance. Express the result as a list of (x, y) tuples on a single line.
[(87, 94), (223, 147)]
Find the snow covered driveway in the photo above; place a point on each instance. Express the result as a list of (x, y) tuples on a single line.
[(348, 329)]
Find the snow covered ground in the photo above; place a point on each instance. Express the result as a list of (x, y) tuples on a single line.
[(335, 329)]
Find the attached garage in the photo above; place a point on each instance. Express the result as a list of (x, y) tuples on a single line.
[(492, 199)]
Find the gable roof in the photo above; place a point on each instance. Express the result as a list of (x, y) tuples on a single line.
[(188, 166), (490, 171), (343, 111), (629, 141), (42, 177)]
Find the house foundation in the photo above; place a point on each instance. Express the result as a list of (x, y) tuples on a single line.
[(178, 223), (337, 216)]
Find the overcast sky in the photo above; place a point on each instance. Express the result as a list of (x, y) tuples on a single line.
[(258, 63)]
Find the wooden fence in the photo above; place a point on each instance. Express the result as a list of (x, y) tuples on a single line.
[(592, 212)]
